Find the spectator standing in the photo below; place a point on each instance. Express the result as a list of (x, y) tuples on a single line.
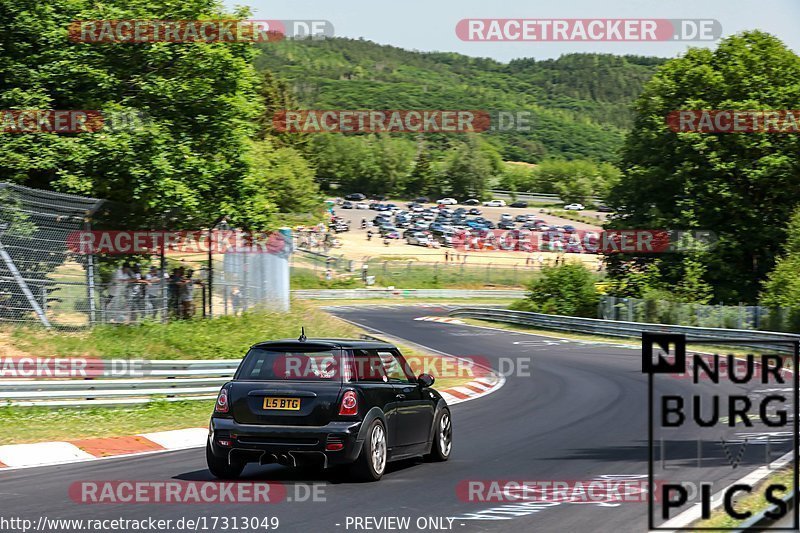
[(174, 291), (119, 291), (152, 290), (136, 294), (187, 294)]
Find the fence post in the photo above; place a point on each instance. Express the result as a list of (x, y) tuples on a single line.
[(44, 297), (90, 289), (245, 292), (210, 281), (163, 283)]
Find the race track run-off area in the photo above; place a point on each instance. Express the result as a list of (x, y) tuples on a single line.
[(579, 413)]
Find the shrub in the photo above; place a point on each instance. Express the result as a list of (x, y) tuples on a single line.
[(562, 290)]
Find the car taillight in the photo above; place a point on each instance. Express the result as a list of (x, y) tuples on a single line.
[(349, 406), (222, 402)]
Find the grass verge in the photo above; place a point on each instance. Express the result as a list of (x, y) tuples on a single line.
[(221, 338), (755, 503), (224, 337), (38, 424)]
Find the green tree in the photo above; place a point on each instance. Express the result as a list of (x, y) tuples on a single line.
[(742, 187), (471, 167), (421, 179), (199, 102), (782, 286), (567, 289), (394, 158)]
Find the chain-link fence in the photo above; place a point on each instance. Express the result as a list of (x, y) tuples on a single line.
[(40, 279), (56, 270), (741, 316)]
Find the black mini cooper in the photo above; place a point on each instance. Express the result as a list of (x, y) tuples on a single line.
[(326, 402)]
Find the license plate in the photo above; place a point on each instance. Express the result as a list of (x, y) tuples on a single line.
[(284, 404)]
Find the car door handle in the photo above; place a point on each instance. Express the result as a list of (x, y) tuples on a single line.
[(401, 396)]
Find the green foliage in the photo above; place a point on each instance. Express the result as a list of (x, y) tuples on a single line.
[(579, 103), (470, 168), (567, 289), (573, 181), (782, 286), (383, 164), (422, 179), (742, 187), (199, 106)]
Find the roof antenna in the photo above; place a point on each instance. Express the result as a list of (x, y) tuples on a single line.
[(302, 337)]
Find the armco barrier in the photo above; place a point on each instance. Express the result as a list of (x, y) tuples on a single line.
[(616, 328), (167, 380), (365, 294)]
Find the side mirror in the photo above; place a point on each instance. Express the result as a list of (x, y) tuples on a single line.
[(425, 380)]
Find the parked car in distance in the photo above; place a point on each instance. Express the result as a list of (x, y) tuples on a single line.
[(474, 211), (356, 197), (506, 224), (422, 200), (574, 207), (362, 205), (520, 204), (505, 217), (604, 209), (495, 203), (325, 403), (472, 201), (417, 238), (347, 205), (447, 201)]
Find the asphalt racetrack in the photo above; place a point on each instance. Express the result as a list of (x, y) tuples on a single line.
[(580, 414)]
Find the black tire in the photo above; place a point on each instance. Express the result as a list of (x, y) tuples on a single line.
[(220, 468), (371, 462), (442, 437)]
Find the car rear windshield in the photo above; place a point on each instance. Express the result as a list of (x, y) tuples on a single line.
[(279, 365)]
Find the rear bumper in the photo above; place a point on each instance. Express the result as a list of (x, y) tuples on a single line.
[(292, 445)]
